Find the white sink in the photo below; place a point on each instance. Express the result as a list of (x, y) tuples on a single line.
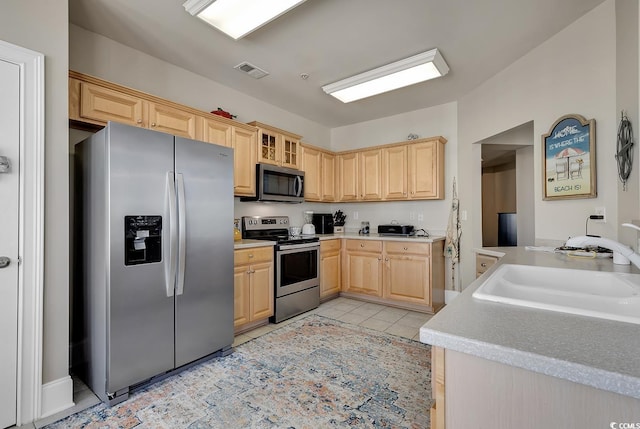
[(607, 295)]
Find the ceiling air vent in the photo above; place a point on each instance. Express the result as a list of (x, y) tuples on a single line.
[(251, 70)]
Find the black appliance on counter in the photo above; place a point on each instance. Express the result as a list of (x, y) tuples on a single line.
[(297, 263), (396, 229), (323, 223)]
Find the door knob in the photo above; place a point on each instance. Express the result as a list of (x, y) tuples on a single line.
[(4, 261), (5, 165)]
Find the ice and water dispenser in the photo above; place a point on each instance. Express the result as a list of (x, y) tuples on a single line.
[(142, 239)]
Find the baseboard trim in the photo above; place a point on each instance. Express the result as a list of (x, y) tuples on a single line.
[(57, 396), (449, 295)]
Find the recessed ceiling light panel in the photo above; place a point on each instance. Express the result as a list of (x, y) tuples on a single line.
[(412, 70), (237, 18)]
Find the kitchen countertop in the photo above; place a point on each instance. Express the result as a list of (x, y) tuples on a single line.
[(596, 352), (247, 244), (355, 235)]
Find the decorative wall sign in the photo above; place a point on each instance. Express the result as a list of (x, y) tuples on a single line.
[(569, 159)]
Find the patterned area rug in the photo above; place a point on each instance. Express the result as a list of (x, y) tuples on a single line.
[(313, 373)]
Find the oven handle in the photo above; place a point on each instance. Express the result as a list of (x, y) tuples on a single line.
[(283, 247)]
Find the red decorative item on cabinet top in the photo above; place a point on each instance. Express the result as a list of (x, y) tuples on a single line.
[(223, 113)]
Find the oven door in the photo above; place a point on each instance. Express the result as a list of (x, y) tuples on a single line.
[(297, 268)]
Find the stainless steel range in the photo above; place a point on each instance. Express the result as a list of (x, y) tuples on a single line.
[(297, 260)]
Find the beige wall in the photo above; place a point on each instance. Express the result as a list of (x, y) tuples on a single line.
[(561, 76), (96, 55), (627, 73), (42, 26)]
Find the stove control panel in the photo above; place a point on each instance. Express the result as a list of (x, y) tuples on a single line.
[(264, 222)]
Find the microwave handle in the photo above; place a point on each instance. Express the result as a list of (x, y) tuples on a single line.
[(297, 187)]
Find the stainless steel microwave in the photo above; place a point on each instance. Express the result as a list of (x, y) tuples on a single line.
[(278, 184)]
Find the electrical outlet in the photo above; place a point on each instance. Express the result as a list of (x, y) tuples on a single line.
[(600, 211), (420, 217), (355, 215), (463, 215)]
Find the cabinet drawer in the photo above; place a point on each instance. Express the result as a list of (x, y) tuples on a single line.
[(483, 263), (329, 245), (403, 247), (364, 245), (255, 254)]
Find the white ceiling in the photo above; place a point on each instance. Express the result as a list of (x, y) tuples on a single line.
[(334, 39)]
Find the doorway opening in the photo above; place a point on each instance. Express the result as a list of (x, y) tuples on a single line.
[(507, 188)]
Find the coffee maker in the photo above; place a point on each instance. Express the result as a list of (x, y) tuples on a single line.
[(323, 223)]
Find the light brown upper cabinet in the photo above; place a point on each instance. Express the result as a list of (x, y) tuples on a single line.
[(97, 105), (411, 170), (349, 178), (244, 161), (171, 120), (93, 102), (242, 138), (319, 174), (312, 166), (394, 173), (329, 176), (426, 169), (370, 185), (277, 147)]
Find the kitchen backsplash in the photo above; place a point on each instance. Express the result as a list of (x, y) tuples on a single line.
[(429, 215)]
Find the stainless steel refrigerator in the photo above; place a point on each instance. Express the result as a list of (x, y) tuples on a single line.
[(153, 289)]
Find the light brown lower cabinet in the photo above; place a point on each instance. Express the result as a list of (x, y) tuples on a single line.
[(330, 268), (470, 391), (253, 286), (484, 262), (405, 274), (363, 267), (437, 415)]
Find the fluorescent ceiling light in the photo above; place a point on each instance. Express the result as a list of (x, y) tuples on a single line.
[(418, 68), (237, 18)]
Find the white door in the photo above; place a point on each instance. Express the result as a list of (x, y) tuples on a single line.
[(9, 187)]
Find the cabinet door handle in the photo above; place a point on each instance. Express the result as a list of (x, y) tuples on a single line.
[(250, 255), (405, 248), (483, 265), (248, 271), (361, 244), (139, 121), (153, 124)]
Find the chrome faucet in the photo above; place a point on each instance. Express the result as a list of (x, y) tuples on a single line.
[(622, 254)]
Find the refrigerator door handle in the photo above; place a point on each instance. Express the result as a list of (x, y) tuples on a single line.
[(170, 266), (182, 237)]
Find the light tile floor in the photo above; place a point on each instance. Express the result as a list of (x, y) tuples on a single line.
[(395, 321)]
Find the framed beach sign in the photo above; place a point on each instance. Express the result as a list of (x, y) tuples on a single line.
[(569, 159)]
